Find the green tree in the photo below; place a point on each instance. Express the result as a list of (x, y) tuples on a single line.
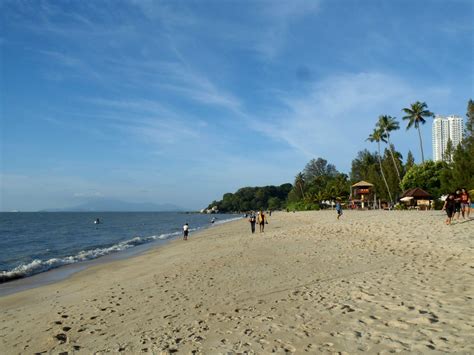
[(461, 169), (410, 161), (449, 152), (470, 119), (361, 165), (318, 168), (389, 124), (366, 167), (274, 203), (254, 198), (300, 183), (377, 136), (388, 159), (426, 176), (416, 115), (338, 187)]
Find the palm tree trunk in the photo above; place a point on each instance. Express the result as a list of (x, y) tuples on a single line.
[(383, 175), (393, 157), (421, 145), (301, 189)]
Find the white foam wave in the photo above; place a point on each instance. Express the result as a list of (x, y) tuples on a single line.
[(37, 266), (227, 220)]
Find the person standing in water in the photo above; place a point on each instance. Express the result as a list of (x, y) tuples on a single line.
[(185, 231), (261, 221), (252, 221), (338, 209)]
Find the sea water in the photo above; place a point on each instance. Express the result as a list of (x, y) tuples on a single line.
[(32, 243)]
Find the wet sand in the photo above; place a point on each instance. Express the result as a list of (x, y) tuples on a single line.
[(374, 281)]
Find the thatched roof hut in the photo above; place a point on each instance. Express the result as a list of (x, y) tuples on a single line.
[(363, 184), (417, 198), (417, 194), (362, 194)]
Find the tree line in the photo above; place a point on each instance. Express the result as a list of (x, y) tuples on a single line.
[(385, 168), (254, 199)]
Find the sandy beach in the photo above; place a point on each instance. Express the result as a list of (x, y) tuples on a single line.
[(372, 282)]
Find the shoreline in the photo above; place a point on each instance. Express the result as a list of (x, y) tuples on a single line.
[(62, 272), (371, 282)]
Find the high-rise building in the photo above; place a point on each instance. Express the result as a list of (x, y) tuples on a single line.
[(445, 129)]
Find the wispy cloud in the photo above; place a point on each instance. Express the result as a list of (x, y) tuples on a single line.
[(339, 108), (264, 31), (279, 16), (75, 65), (147, 120)]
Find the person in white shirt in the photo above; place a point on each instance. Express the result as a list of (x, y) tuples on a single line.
[(185, 231)]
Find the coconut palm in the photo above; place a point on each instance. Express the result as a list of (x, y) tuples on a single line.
[(299, 181), (388, 124), (377, 136), (416, 116)]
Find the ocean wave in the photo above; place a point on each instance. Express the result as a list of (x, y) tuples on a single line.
[(38, 266), (227, 220)]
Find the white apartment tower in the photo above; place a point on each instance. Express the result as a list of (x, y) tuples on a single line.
[(445, 129)]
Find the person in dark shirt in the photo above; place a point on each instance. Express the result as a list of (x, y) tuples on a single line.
[(457, 203), (252, 221), (449, 207)]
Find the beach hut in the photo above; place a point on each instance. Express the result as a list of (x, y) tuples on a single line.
[(362, 193), (417, 198)]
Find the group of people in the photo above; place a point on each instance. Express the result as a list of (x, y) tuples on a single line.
[(457, 204), (260, 218)]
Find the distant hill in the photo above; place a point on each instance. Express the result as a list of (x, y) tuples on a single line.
[(112, 205)]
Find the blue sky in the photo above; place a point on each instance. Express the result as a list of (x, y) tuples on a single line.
[(182, 101)]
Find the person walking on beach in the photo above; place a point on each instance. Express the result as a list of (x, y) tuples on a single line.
[(252, 221), (449, 207), (261, 221), (465, 203), (185, 231), (338, 209), (457, 203)]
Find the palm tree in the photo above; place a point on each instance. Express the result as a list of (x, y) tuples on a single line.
[(416, 116), (388, 124), (377, 136), (299, 181)]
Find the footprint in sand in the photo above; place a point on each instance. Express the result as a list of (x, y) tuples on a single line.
[(61, 337)]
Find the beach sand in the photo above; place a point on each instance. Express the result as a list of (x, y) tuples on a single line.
[(372, 282)]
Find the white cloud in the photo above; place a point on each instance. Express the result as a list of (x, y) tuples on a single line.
[(340, 111), (192, 84), (278, 17), (149, 121), (78, 66)]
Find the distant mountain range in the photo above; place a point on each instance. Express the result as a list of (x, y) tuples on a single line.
[(111, 205)]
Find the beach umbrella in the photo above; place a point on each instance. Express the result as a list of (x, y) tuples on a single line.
[(406, 199)]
